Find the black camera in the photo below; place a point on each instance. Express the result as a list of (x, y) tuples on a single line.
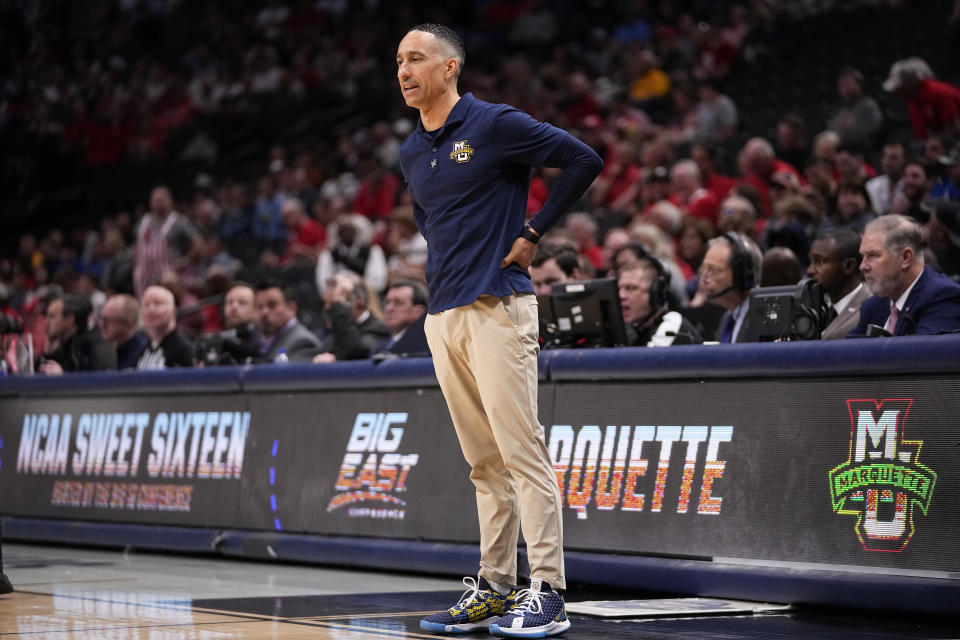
[(229, 347)]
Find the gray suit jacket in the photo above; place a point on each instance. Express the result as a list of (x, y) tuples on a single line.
[(299, 342), (846, 321)]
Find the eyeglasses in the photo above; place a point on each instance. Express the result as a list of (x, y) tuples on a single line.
[(709, 271)]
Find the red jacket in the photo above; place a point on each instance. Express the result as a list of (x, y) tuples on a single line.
[(934, 107)]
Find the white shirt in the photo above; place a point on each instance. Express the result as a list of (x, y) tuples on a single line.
[(881, 194), (842, 303)]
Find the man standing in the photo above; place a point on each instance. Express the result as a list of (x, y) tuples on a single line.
[(859, 116), (934, 106), (908, 296), (165, 241), (730, 269), (835, 264), (468, 166), (118, 324)]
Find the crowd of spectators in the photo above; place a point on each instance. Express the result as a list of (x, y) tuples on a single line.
[(314, 234)]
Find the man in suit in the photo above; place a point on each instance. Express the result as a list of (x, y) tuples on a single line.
[(908, 296), (730, 269), (71, 345), (352, 330), (277, 316), (405, 308), (835, 264)]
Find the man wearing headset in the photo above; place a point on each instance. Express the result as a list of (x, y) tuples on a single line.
[(730, 269), (643, 286)]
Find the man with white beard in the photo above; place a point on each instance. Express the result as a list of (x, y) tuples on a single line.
[(908, 296)]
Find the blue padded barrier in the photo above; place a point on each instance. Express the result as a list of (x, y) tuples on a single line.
[(105, 534), (352, 374), (106, 383), (914, 354), (794, 585), (367, 553), (928, 354), (799, 586)]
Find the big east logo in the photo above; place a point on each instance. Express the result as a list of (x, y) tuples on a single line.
[(883, 479), (372, 470)]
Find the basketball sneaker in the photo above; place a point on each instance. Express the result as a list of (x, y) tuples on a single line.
[(538, 612), (478, 607), (5, 586)]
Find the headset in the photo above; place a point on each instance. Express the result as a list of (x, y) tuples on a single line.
[(660, 286), (741, 263), (811, 312)]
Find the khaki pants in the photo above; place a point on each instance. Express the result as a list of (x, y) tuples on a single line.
[(485, 356)]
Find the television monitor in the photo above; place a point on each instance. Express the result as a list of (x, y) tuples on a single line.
[(586, 313), (792, 312)]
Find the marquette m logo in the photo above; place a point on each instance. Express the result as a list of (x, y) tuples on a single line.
[(883, 479), (461, 152)]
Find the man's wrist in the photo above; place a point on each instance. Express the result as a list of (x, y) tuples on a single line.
[(528, 233)]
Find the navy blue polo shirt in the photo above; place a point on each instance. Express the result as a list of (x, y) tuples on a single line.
[(469, 182)]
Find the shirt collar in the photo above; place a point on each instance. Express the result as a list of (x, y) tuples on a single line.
[(902, 300), (457, 114), (842, 303)]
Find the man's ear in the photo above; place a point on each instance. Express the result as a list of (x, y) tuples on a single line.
[(850, 266), (451, 68), (906, 256)]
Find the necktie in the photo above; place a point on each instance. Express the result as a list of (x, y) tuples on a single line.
[(726, 335), (892, 319), (831, 315)]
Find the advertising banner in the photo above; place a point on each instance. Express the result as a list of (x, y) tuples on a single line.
[(836, 471), (384, 463), (163, 459)]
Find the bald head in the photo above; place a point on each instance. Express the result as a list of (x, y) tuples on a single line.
[(158, 312)]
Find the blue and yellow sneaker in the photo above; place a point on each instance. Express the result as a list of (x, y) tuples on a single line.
[(539, 612), (479, 607)]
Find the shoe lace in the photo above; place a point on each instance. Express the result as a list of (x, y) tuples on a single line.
[(473, 590), (528, 601)]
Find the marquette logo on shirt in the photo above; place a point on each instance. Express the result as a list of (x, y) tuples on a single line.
[(373, 475), (461, 152), (883, 479)]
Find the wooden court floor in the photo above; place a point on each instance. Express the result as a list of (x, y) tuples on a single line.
[(67, 593)]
